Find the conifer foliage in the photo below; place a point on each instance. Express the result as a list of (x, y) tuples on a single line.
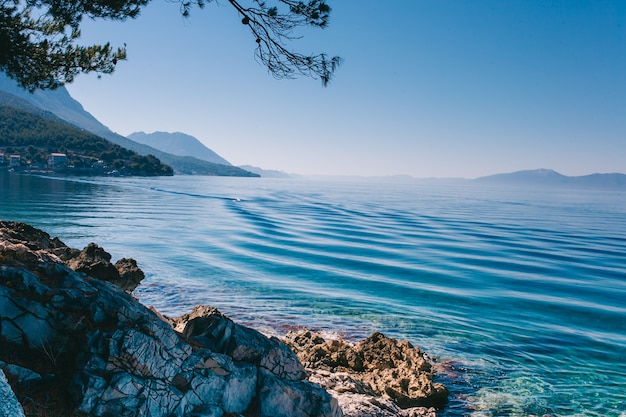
[(39, 38)]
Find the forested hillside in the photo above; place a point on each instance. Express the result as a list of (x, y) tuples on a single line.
[(35, 137)]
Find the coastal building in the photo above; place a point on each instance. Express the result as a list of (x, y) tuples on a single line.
[(57, 160), (15, 161)]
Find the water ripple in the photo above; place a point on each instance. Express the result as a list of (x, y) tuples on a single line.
[(520, 295)]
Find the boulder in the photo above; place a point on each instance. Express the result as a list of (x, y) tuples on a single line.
[(209, 328), (130, 275), (378, 366), (96, 262)]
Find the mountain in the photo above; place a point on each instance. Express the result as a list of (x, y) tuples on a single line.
[(551, 178), (60, 103), (178, 143), (266, 173)]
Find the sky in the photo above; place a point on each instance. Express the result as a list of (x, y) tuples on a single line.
[(428, 88)]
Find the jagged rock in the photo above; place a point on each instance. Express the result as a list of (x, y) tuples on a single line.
[(9, 406), (400, 371), (130, 276), (357, 399), (21, 241), (27, 235), (376, 366), (211, 329), (34, 239), (113, 356), (96, 262)]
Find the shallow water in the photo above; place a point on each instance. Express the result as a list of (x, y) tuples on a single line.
[(520, 294)]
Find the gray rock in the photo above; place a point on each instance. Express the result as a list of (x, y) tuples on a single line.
[(280, 398), (22, 375), (211, 329), (9, 406)]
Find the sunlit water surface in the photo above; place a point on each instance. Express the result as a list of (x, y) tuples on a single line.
[(519, 294)]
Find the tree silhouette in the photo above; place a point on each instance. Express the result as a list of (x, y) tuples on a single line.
[(38, 38)]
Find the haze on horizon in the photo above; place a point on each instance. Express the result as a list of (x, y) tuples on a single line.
[(428, 89)]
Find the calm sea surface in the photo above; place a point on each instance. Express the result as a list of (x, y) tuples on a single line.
[(519, 294)]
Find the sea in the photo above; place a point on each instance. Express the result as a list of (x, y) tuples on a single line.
[(518, 294)]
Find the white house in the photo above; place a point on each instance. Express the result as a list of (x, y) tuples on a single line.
[(56, 160)]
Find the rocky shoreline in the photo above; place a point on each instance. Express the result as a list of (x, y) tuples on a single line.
[(75, 342)]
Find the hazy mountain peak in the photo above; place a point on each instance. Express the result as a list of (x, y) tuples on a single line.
[(544, 172), (178, 143)]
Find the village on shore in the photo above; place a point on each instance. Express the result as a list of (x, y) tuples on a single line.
[(57, 163)]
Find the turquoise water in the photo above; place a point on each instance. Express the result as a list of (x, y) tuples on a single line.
[(520, 294)]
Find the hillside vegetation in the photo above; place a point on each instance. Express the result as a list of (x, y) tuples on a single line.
[(35, 137)]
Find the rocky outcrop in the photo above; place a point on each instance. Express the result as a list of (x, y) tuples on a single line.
[(96, 262), (73, 344), (378, 376), (93, 260)]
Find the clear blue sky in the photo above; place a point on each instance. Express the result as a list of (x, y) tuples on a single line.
[(433, 88)]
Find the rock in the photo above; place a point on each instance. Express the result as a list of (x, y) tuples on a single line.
[(9, 406), (375, 367), (210, 329), (400, 371), (23, 376), (96, 262), (281, 398), (22, 242), (130, 276)]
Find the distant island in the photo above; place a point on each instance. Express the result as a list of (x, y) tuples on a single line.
[(550, 178)]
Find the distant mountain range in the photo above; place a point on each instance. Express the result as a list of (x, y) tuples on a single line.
[(551, 178), (266, 173), (62, 105), (182, 144)]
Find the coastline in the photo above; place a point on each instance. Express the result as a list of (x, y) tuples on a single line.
[(109, 342)]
